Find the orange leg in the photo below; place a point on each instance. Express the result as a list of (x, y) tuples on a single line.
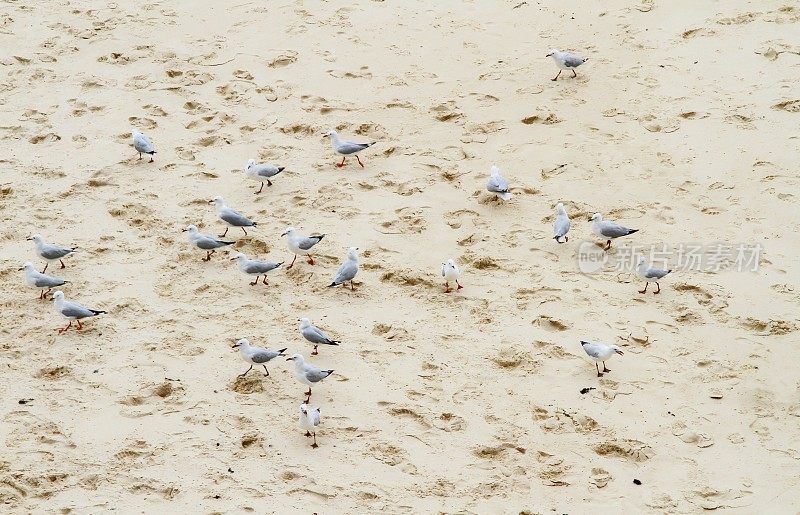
[(342, 163)]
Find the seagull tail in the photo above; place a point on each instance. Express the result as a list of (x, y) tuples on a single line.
[(333, 342), (334, 283), (227, 242), (281, 168), (97, 312), (281, 351), (320, 237), (279, 264), (255, 224), (631, 231), (505, 196), (558, 239), (584, 343)]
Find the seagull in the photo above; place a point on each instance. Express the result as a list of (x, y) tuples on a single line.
[(262, 172), (348, 270), (600, 352), (315, 335), (142, 144), (608, 229), (450, 272), (309, 420), (256, 355), (205, 241), (300, 245), (51, 252), (650, 274), (566, 61), (255, 267), (72, 311), (231, 217), (36, 279), (346, 148), (497, 184), (307, 373), (561, 225)]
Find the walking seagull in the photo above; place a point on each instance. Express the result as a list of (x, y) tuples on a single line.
[(51, 252), (309, 420), (142, 144), (262, 172), (72, 311), (598, 352), (300, 245), (256, 355), (315, 335), (608, 229), (566, 61), (346, 148), (650, 274)]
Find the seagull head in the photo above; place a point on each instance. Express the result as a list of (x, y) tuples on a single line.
[(28, 266), (191, 229), (58, 296), (495, 171), (297, 358), (217, 200), (560, 208), (304, 322), (617, 350), (238, 257), (289, 231), (597, 217), (330, 134), (242, 342), (352, 252), (451, 263), (36, 237), (641, 261), (250, 162), (304, 409), (553, 52)]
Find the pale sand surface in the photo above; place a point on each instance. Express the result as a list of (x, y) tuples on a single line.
[(684, 124)]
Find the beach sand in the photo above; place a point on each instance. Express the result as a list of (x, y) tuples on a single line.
[(683, 124)]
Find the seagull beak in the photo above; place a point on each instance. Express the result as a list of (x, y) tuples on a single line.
[(590, 219), (324, 135), (210, 201), (19, 269), (29, 239), (619, 352), (288, 359), (284, 234), (548, 55), (184, 230), (233, 259)]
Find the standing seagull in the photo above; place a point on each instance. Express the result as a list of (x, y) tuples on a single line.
[(255, 267), (315, 335), (561, 225), (307, 373), (72, 311), (450, 272), (309, 420), (650, 274), (205, 241), (346, 148), (51, 252), (566, 61), (256, 355), (498, 184), (36, 279), (262, 172), (598, 352), (142, 144), (300, 245), (609, 230), (231, 217), (348, 270)]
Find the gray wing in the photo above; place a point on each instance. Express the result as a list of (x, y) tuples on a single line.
[(208, 243), (313, 417), (70, 309), (263, 355), (260, 267), (497, 185), (573, 61), (346, 272), (235, 218), (561, 226), (142, 144), (315, 375), (314, 335), (54, 252), (593, 350), (266, 170), (308, 242), (655, 273), (612, 230), (45, 281), (348, 147)]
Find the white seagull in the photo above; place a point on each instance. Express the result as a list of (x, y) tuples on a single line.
[(300, 245), (38, 280), (450, 272), (348, 270), (598, 352), (608, 229), (566, 61), (315, 335), (205, 241), (255, 267), (307, 373), (142, 144), (72, 311), (256, 355), (262, 172), (346, 148), (650, 274), (309, 420), (561, 225), (498, 184), (50, 252), (231, 217)]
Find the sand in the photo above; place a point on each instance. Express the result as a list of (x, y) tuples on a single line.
[(683, 123)]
